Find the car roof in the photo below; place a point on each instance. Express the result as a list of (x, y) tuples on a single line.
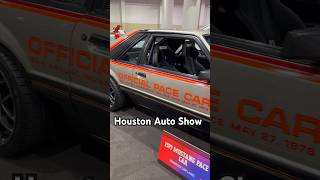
[(198, 32)]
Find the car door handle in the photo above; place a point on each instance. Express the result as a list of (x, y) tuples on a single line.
[(141, 74), (97, 44)]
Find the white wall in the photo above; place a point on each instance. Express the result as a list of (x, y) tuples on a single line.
[(136, 11), (177, 14), (115, 11), (142, 13), (204, 13), (148, 12)]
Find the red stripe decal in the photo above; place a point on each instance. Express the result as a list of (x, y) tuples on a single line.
[(69, 14), (180, 78), (268, 60)]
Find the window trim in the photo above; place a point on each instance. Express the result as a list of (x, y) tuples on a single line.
[(128, 45)]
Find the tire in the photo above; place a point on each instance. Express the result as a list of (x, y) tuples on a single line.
[(117, 98), (20, 109)]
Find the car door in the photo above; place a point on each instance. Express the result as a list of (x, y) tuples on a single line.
[(44, 28), (171, 89), (267, 105), (125, 58), (90, 68)]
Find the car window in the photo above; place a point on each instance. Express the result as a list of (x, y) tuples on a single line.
[(264, 21), (177, 55), (132, 55)]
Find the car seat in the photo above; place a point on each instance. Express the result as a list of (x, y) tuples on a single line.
[(191, 54), (155, 56), (161, 57), (268, 20)]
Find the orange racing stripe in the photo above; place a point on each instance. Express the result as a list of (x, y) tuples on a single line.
[(160, 73), (265, 63)]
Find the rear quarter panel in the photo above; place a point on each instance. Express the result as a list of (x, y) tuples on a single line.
[(271, 108), (8, 38)]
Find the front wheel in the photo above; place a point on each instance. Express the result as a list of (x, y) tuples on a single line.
[(116, 96), (21, 114)]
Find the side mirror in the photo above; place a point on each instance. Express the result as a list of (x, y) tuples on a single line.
[(302, 44), (204, 75)]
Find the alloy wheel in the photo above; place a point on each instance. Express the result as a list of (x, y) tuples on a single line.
[(7, 111), (112, 96)]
